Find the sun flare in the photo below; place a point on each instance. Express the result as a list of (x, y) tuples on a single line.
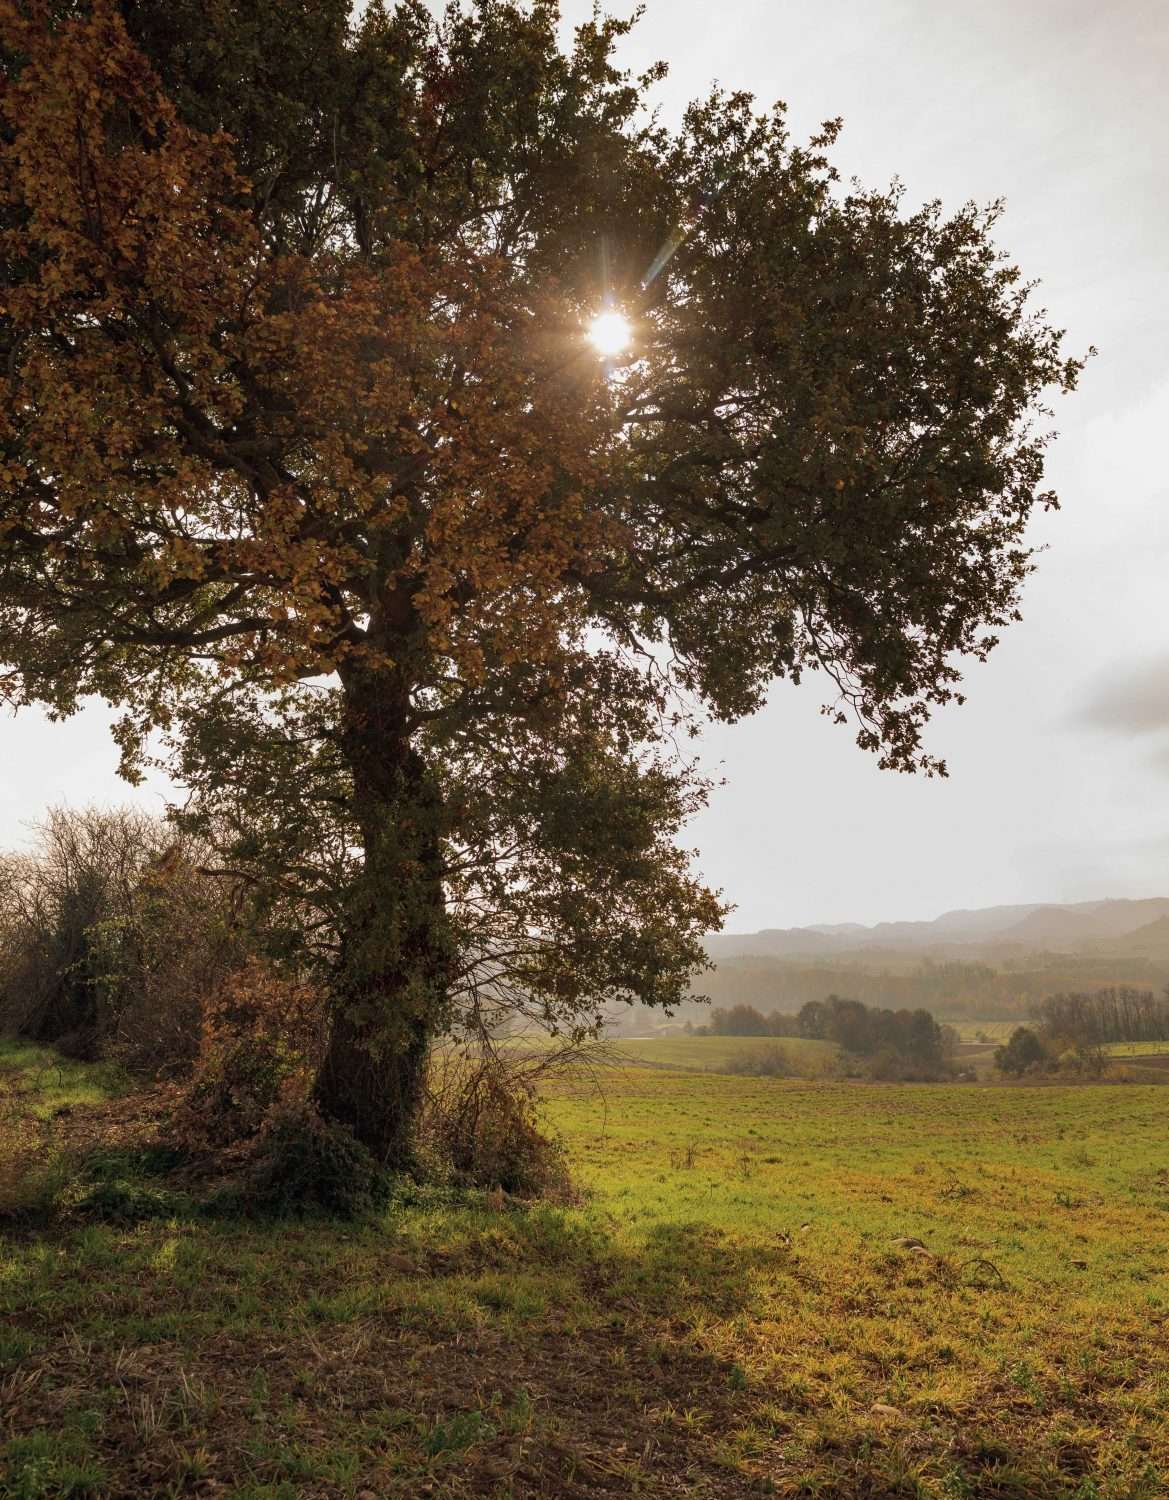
[(609, 333)]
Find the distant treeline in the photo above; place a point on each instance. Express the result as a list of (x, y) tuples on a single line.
[(948, 989), (868, 1030), (1109, 1015), (901, 1043), (745, 1020)]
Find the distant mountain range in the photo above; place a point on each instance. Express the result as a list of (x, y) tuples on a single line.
[(1135, 929)]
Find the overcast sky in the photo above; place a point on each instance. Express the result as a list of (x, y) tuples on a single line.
[(1059, 762)]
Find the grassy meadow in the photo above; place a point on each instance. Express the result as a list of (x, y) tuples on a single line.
[(765, 1287), (713, 1054)]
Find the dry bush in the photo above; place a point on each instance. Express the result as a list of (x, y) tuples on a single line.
[(261, 1039), (174, 944), (479, 1125), (110, 935), (82, 872)]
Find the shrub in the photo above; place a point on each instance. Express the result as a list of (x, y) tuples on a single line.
[(1091, 1059), (1023, 1053), (761, 1062), (80, 1045), (171, 944), (886, 1066), (82, 871), (479, 1126), (891, 1066), (261, 1038), (304, 1162)]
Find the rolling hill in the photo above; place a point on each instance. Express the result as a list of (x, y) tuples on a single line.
[(991, 932), (988, 963), (1149, 941)]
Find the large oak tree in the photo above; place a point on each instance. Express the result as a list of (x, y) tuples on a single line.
[(306, 461)]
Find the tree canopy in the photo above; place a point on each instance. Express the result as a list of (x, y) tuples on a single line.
[(306, 462)]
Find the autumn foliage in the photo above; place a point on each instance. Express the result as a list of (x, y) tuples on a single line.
[(306, 464), (259, 1040)]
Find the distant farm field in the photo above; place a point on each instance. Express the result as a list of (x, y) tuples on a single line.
[(999, 1032), (984, 1031), (714, 1053), (767, 1287)]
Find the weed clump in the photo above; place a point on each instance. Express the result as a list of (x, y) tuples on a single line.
[(123, 1200), (304, 1162), (121, 1187)]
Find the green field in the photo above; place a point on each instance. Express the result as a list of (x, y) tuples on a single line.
[(991, 1031), (726, 1312), (999, 1032), (713, 1053)]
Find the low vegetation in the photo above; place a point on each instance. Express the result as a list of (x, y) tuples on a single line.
[(761, 1287), (719, 1263)]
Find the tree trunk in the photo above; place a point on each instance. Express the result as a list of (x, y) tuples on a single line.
[(395, 952)]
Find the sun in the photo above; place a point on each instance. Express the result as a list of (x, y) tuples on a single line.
[(609, 333)]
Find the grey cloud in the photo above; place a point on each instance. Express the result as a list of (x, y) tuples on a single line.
[(1135, 701)]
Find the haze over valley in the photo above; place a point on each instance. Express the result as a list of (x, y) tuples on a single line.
[(989, 963), (1125, 927)]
